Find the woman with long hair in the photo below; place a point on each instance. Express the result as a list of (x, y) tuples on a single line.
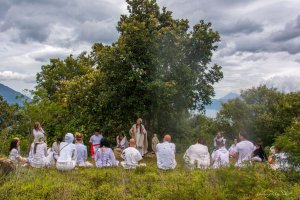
[(14, 150), (139, 133), (40, 157), (105, 156)]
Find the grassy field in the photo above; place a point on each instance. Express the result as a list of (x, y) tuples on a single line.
[(257, 182)]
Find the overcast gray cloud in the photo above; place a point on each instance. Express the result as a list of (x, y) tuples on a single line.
[(260, 39)]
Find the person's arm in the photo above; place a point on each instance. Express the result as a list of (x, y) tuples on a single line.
[(131, 131), (85, 153), (113, 158), (74, 154), (91, 140)]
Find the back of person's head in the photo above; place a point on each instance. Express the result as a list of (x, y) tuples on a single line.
[(13, 144), (132, 142), (59, 139), (69, 138), (201, 141), (220, 144), (167, 138), (97, 130), (37, 125), (243, 135), (39, 138), (78, 136), (220, 134), (104, 142)]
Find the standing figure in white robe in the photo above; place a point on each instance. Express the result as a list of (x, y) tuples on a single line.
[(131, 156), (219, 138), (67, 154), (155, 141), (197, 156), (40, 157), (81, 151), (105, 156), (37, 129), (220, 157), (95, 142), (139, 133), (244, 151), (166, 154)]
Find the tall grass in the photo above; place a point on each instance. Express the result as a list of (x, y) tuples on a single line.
[(258, 182)]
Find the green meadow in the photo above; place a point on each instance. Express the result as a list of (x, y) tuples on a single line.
[(257, 182)]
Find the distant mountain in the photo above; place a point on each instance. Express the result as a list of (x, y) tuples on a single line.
[(216, 105), (10, 95)]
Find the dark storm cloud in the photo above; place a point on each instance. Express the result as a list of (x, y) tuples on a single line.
[(245, 26), (290, 31), (33, 20)]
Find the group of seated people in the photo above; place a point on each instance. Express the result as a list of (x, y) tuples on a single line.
[(71, 152), (243, 152)]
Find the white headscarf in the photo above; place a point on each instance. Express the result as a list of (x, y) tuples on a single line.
[(69, 138), (39, 137)]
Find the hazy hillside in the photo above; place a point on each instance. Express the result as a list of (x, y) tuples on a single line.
[(216, 105), (10, 95)]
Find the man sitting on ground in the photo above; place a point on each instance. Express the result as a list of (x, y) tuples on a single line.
[(244, 150), (165, 153), (131, 156), (197, 156)]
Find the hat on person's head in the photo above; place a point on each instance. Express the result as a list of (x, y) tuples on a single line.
[(69, 138), (39, 137)]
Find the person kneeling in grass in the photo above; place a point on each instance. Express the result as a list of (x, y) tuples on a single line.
[(166, 154), (131, 156), (197, 156), (40, 157), (81, 152), (67, 154), (105, 156)]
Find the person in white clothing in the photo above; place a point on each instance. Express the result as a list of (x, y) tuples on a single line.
[(165, 153), (139, 134), (219, 138), (55, 147), (81, 152), (232, 149), (105, 156), (244, 151), (131, 156), (220, 157), (197, 156), (95, 142), (14, 152), (67, 154), (40, 157), (37, 129)]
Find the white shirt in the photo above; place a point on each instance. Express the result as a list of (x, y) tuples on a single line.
[(220, 157), (131, 157), (166, 155), (35, 132), (232, 149), (13, 154), (197, 155), (95, 139), (39, 156), (81, 153), (244, 149), (67, 152)]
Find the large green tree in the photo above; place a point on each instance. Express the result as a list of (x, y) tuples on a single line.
[(158, 69)]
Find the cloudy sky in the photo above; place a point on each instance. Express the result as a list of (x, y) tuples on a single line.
[(260, 39)]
